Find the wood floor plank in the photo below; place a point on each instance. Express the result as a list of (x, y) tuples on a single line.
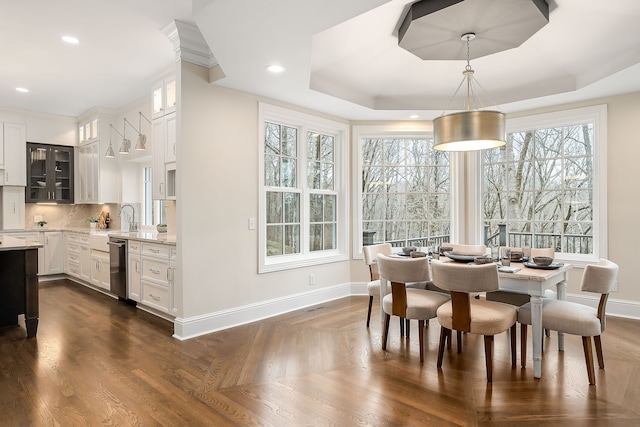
[(97, 361)]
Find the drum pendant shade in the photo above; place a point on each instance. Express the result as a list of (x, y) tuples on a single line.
[(469, 131)]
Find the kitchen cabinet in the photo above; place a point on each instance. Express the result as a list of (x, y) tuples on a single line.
[(163, 97), (53, 259), (49, 173), (164, 144), (85, 258), (72, 255), (98, 177), (133, 270), (173, 265), (13, 153), (100, 275), (12, 208), (155, 281)]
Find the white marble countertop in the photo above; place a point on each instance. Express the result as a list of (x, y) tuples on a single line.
[(142, 235), (8, 243)]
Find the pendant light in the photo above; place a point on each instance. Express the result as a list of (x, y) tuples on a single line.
[(110, 154), (471, 129), (142, 138), (124, 147)]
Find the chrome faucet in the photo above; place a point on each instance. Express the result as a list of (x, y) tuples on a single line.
[(133, 226)]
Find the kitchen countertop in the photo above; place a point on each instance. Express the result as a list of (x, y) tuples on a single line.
[(142, 235), (8, 243)]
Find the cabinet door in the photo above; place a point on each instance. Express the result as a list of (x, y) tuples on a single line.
[(157, 178), (13, 208), (157, 100), (133, 269), (53, 253), (49, 173), (85, 262), (88, 171), (170, 138), (15, 153)]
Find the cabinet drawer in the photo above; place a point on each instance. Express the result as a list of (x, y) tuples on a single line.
[(155, 270), (73, 247), (134, 246), (152, 249), (156, 297), (73, 237), (84, 239), (73, 257), (73, 269)]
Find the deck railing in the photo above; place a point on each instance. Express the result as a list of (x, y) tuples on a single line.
[(568, 243)]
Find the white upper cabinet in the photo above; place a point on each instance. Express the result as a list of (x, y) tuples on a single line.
[(13, 154), (98, 179), (163, 97)]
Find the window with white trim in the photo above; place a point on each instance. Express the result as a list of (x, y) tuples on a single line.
[(404, 188), (547, 184), (303, 201)]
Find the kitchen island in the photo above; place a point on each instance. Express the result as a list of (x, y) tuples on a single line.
[(19, 282)]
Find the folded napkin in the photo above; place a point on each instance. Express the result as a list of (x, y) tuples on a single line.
[(505, 269)]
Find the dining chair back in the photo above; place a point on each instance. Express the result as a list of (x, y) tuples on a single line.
[(408, 303), (467, 249), (467, 314), (578, 319), (370, 253)]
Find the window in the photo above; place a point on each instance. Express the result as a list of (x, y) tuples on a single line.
[(544, 184), (404, 188), (303, 204)]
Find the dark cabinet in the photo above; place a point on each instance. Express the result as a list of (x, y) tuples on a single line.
[(49, 173)]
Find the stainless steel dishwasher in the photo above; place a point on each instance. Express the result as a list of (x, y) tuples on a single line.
[(118, 268)]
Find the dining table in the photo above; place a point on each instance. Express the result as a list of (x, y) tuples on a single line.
[(523, 279)]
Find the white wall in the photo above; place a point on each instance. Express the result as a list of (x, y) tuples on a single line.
[(217, 193)]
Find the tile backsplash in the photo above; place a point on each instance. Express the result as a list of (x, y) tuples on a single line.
[(62, 216)]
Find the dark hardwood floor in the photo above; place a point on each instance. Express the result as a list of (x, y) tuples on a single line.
[(97, 362)]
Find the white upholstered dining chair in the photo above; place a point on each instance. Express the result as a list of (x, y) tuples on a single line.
[(577, 319), (408, 303), (467, 314), (370, 258)]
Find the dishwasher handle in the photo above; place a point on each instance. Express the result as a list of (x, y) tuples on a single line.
[(116, 243)]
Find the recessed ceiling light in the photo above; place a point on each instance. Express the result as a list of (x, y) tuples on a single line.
[(414, 116), (22, 89), (70, 40), (275, 68)]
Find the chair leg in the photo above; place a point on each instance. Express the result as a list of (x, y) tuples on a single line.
[(588, 356), (459, 341), (421, 339), (402, 326), (513, 345), (444, 334), (523, 344), (385, 333), (488, 356), (598, 342), (407, 327), (369, 312)]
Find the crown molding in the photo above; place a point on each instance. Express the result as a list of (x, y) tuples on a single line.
[(189, 44)]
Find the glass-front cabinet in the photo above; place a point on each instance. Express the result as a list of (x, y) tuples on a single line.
[(49, 173)]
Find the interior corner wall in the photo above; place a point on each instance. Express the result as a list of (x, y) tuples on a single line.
[(217, 187)]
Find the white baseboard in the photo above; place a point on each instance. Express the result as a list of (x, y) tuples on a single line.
[(615, 307), (186, 328)]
